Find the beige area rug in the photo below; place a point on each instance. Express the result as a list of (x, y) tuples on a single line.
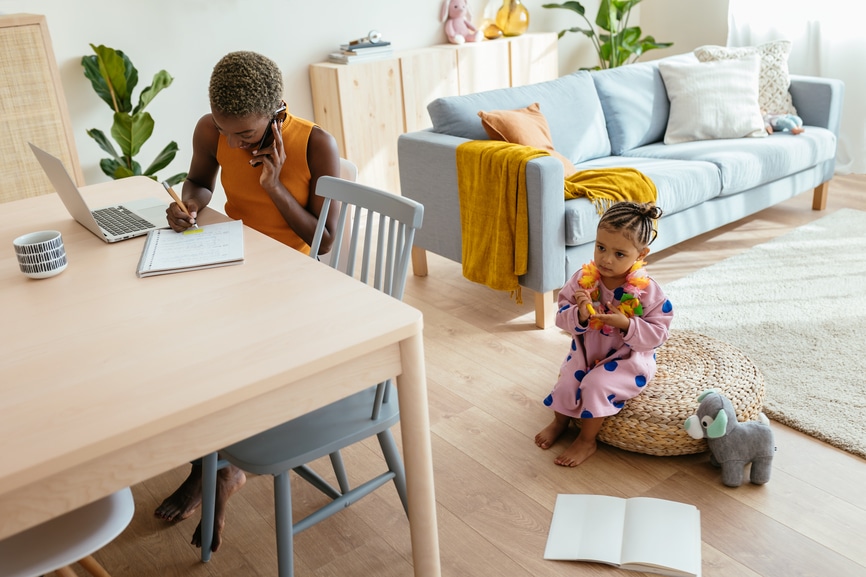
[(796, 306)]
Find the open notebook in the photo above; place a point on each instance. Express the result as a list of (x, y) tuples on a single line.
[(166, 251)]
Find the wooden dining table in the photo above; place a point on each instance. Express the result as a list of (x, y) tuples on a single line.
[(107, 379)]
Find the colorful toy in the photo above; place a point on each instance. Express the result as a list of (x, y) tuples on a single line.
[(458, 22), (783, 123), (733, 445)]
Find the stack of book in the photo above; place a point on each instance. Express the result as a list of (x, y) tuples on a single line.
[(361, 52)]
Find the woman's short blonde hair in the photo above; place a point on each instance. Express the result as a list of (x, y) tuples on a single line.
[(246, 83)]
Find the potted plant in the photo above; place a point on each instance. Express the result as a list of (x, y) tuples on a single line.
[(114, 77), (615, 41)]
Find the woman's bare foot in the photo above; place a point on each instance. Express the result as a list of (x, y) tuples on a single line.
[(185, 499), (549, 434), (229, 482), (578, 452)]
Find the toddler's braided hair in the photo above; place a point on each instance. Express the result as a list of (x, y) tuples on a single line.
[(245, 83), (636, 221)]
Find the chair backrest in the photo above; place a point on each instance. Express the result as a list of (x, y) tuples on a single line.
[(32, 108), (348, 170), (381, 228)]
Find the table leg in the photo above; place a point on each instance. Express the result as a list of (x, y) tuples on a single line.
[(418, 457)]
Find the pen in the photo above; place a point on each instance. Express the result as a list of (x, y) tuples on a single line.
[(177, 199)]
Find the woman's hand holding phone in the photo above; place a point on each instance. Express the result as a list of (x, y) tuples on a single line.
[(268, 137)]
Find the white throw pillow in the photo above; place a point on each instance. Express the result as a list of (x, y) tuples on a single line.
[(711, 100), (773, 94)]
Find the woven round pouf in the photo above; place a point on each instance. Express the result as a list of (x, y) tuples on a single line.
[(688, 364)]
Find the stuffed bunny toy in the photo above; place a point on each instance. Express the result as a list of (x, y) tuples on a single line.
[(458, 22), (732, 444)]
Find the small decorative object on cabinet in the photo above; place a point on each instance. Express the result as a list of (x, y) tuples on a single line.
[(512, 18), (458, 22), (488, 25)]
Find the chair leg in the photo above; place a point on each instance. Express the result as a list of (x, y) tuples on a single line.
[(283, 514), (340, 471), (395, 464), (208, 503), (65, 572), (93, 567)]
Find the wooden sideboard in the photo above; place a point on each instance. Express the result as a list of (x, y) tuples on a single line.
[(368, 105)]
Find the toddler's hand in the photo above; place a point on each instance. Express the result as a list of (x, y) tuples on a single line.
[(584, 304), (614, 317)]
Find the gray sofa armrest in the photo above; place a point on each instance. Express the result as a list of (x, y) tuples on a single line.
[(428, 174), (818, 100)]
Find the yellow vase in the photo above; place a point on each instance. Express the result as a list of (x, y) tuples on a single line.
[(512, 18)]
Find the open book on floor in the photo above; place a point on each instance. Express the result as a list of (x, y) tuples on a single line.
[(211, 245), (640, 534)]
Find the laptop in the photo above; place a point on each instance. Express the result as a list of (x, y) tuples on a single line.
[(111, 223)]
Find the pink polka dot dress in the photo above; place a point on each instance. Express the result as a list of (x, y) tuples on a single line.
[(606, 366)]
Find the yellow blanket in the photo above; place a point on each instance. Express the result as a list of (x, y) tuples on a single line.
[(491, 182), (606, 186), (492, 186)]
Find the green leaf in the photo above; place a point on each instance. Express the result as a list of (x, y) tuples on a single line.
[(176, 179), (163, 159), (109, 166), (124, 172), (91, 71), (131, 131), (118, 77), (103, 141), (161, 80), (573, 6)]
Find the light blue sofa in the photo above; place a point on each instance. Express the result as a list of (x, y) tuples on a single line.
[(615, 118)]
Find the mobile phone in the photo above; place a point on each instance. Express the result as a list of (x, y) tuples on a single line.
[(268, 137)]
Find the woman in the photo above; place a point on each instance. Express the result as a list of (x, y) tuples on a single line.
[(269, 162), (271, 187)]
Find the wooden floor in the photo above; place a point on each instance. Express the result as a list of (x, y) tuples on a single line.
[(488, 369)]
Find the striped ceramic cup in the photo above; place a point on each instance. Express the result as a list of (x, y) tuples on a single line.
[(40, 254)]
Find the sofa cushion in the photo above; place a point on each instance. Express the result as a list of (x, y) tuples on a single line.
[(711, 100), (635, 105), (680, 185), (526, 126), (749, 162), (569, 103), (774, 79)]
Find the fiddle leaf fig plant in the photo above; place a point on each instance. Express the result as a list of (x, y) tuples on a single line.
[(615, 41), (113, 78)]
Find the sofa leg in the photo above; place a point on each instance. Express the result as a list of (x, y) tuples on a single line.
[(819, 197), (545, 309), (419, 261)]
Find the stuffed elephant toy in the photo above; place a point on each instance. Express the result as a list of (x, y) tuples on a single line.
[(733, 445)]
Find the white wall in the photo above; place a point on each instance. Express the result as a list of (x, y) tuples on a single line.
[(187, 37)]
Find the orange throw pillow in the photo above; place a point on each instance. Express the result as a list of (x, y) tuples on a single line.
[(526, 126)]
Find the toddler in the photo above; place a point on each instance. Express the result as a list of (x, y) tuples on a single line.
[(617, 317)]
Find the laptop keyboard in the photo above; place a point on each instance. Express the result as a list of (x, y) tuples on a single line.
[(118, 220)]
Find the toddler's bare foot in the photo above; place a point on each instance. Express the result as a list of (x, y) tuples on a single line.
[(579, 451), (798, 129), (229, 482), (549, 434), (185, 499)]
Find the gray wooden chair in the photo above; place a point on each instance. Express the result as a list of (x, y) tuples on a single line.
[(381, 230)]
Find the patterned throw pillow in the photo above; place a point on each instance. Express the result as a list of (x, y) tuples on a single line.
[(773, 94)]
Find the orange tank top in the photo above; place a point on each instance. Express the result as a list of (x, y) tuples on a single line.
[(246, 199)]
